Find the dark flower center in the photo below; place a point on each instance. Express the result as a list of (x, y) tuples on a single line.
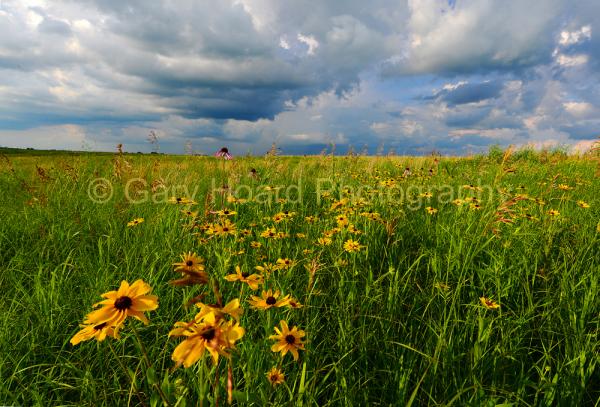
[(224, 150), (225, 229), (270, 300), (209, 334), (123, 303), (245, 274), (179, 199), (189, 263), (290, 339)]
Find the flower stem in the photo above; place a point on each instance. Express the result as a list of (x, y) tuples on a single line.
[(149, 365), (131, 379)]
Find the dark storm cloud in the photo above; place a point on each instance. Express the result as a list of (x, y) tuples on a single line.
[(467, 117), (586, 130), (470, 93), (248, 72)]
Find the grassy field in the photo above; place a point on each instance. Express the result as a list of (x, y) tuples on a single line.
[(464, 281)]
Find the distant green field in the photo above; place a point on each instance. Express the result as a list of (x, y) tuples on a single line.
[(462, 281)]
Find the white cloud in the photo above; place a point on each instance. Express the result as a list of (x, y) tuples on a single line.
[(283, 43), (66, 136), (574, 37), (578, 109), (571, 60), (453, 86), (310, 41), (475, 35)]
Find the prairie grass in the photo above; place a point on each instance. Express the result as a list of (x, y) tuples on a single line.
[(398, 322)]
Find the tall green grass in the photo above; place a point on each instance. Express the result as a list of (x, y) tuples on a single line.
[(399, 323)]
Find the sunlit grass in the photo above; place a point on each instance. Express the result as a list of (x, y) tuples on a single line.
[(480, 302)]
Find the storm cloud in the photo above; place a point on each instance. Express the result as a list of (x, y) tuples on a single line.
[(410, 75)]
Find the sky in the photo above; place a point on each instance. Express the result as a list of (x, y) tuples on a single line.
[(410, 77)]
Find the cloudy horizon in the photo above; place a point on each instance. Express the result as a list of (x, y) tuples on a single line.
[(454, 76)]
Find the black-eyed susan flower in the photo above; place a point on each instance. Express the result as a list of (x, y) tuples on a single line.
[(129, 300), (583, 204), (324, 241), (331, 232), (190, 262), (294, 303), (430, 210), (489, 303), (255, 244), (212, 334), (191, 214), (232, 308), (135, 222), (91, 331), (371, 215), (192, 269), (225, 228), (235, 200), (553, 212), (253, 280), (338, 204), (311, 219), (226, 212), (269, 299), (275, 376), (342, 220), (266, 268), (269, 233), (288, 340), (180, 200), (353, 229), (352, 246), (285, 264)]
